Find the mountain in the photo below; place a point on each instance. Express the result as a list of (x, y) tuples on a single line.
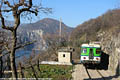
[(48, 25), (91, 28), (37, 30), (106, 29)]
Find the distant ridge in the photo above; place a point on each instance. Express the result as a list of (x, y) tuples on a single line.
[(48, 25), (37, 30)]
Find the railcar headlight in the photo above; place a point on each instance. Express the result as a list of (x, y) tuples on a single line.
[(84, 58), (97, 59)]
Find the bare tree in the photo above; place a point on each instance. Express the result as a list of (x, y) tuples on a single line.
[(54, 43), (16, 8), (32, 65), (1, 61), (21, 70), (3, 44)]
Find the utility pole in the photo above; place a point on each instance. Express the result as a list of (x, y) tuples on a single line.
[(60, 30), (118, 67)]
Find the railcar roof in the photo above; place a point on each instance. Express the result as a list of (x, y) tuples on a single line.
[(91, 45)]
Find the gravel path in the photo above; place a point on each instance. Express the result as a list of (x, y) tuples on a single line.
[(79, 72)]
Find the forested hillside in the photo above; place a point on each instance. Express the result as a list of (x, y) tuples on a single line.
[(106, 29), (90, 29)]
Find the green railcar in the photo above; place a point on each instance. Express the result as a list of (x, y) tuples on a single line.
[(90, 53)]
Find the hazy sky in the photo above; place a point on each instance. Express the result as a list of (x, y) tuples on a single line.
[(75, 12)]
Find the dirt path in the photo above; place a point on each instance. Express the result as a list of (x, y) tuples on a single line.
[(81, 73)]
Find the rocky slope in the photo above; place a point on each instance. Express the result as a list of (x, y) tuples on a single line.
[(37, 31), (110, 42), (106, 29)]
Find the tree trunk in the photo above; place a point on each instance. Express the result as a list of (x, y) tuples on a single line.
[(34, 72), (38, 65), (21, 70), (1, 67), (12, 55)]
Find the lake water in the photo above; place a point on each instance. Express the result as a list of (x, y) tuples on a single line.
[(26, 53)]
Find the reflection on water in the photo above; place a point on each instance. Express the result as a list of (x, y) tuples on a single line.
[(21, 54), (26, 53)]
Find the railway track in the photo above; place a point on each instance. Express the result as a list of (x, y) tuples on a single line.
[(94, 74), (101, 75), (81, 72)]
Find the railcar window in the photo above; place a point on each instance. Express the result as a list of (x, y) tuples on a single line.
[(98, 51), (84, 51)]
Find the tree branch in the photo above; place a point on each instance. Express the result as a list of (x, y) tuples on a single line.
[(2, 18), (3, 22), (21, 3), (9, 10), (18, 47), (6, 47), (27, 9), (8, 3), (28, 43)]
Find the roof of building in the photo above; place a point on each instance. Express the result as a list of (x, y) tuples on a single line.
[(65, 49)]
